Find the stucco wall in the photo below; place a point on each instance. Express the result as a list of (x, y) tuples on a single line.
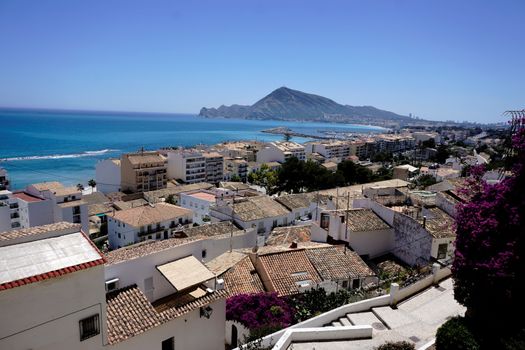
[(45, 315), (412, 242)]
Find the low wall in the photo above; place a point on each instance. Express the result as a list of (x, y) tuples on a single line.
[(322, 333)]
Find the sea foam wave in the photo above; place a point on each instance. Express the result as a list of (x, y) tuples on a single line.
[(61, 156)]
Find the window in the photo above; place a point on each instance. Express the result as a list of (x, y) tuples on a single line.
[(112, 284), (342, 219), (356, 284), (442, 251), (345, 284), (168, 344), (89, 327), (119, 235)]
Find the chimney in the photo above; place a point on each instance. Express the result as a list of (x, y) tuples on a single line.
[(424, 221)]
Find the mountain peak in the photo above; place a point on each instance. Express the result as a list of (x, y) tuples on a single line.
[(288, 104)]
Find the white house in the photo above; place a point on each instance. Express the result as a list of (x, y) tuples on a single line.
[(108, 175), (55, 299), (199, 203), (66, 202), (260, 212), (280, 151), (146, 222), (366, 232)]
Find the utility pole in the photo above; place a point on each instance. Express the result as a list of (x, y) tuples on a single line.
[(346, 220)]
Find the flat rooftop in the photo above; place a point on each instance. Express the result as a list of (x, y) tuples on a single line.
[(46, 258)]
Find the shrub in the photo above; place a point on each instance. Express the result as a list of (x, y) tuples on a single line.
[(260, 312), (455, 335), (400, 345)]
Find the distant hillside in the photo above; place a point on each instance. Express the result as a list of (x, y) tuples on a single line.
[(288, 104)]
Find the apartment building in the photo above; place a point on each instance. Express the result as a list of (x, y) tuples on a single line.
[(235, 167), (280, 151), (62, 203), (9, 211), (146, 222), (329, 149), (187, 165), (4, 181), (214, 166), (143, 171), (108, 176)]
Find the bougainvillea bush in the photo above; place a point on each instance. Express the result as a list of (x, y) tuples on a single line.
[(489, 263), (258, 311)]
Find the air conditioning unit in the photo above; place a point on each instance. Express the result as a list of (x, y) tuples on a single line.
[(220, 284)]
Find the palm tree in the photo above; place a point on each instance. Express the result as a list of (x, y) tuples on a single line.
[(92, 183), (80, 187)]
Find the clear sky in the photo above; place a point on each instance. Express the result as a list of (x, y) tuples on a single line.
[(443, 59)]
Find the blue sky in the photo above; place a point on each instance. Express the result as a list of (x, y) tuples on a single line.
[(457, 60)]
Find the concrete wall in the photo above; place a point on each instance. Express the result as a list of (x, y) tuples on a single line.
[(372, 243), (189, 331), (107, 176), (46, 314), (5, 218), (412, 242)]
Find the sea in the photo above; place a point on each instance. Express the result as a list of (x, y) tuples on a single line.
[(43, 145)]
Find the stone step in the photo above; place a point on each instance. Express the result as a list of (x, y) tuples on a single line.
[(367, 319), (392, 318), (345, 321), (336, 324)]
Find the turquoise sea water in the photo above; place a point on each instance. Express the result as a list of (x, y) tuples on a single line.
[(40, 146)]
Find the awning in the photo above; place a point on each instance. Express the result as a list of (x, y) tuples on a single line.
[(186, 272)]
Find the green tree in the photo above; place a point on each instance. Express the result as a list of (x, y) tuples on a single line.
[(235, 178), (171, 199), (92, 183)]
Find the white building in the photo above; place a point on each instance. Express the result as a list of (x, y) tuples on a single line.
[(147, 222), (55, 299), (66, 202), (214, 163), (108, 175), (280, 151), (187, 165), (363, 229), (329, 149), (199, 203), (145, 297), (34, 210), (260, 212), (9, 211)]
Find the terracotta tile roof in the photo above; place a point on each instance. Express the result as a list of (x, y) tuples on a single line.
[(129, 313), (146, 248), (224, 262), (333, 263), (211, 230), (27, 197), (72, 203), (66, 191), (439, 224), (296, 201), (242, 278), (260, 207), (360, 220), (44, 186), (37, 230), (95, 198), (289, 234), (155, 196), (286, 269), (147, 215), (145, 158)]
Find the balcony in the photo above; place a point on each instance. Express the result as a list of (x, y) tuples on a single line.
[(152, 231)]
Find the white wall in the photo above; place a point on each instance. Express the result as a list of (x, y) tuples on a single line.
[(45, 315), (189, 331), (107, 176), (372, 243)]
